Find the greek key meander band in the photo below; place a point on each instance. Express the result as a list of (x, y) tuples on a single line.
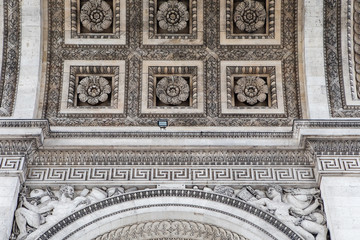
[(157, 174), (332, 164)]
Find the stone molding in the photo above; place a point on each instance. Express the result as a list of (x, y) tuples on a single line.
[(11, 56), (85, 175), (341, 83), (13, 166), (337, 166), (297, 126), (169, 229)]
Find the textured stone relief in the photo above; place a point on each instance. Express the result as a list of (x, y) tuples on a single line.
[(41, 209), (342, 86), (251, 19), (141, 105), (299, 209), (173, 90), (172, 87), (172, 16), (250, 16), (356, 34), (95, 21), (95, 88), (155, 174), (10, 59), (96, 15), (169, 229), (252, 88), (173, 19)]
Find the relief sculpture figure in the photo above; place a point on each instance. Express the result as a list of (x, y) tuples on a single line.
[(48, 211), (297, 208)]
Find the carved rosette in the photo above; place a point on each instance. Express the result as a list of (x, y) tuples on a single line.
[(173, 90), (93, 89), (249, 16), (173, 16), (96, 15), (251, 89)]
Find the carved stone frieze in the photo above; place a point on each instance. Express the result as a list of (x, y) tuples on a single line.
[(203, 107), (293, 211), (10, 59)]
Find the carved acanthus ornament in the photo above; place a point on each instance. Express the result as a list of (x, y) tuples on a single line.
[(96, 15), (169, 229), (251, 89), (93, 89), (173, 16), (173, 90), (249, 16)]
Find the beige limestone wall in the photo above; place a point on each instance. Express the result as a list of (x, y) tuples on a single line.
[(9, 190), (314, 60), (30, 65), (341, 197)]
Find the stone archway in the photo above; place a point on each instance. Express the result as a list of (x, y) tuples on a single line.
[(213, 214), (170, 229)]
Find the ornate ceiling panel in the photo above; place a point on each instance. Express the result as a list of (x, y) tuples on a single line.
[(194, 62)]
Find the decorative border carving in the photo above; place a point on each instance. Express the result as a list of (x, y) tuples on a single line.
[(339, 93), (170, 157), (179, 174), (119, 20), (339, 165), (11, 56), (276, 88), (12, 166)]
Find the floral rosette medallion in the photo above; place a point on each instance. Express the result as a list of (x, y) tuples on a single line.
[(249, 16), (96, 15), (93, 89), (251, 90), (173, 16), (173, 90)]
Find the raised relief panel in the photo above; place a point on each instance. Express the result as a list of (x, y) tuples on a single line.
[(254, 88), (173, 22), (95, 22), (96, 87), (172, 87), (250, 22)]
